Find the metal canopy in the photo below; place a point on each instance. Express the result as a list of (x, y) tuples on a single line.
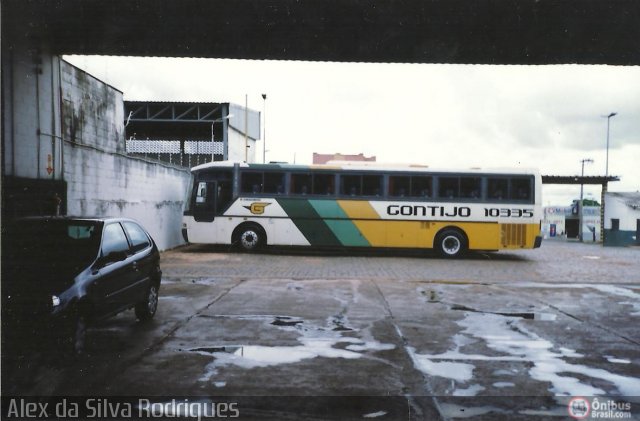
[(142, 111), (578, 179), (433, 31)]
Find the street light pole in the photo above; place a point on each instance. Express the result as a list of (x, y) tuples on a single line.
[(606, 171), (580, 213), (264, 128)]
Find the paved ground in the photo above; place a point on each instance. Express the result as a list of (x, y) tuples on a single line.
[(293, 335)]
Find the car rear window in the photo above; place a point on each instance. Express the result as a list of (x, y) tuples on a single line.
[(66, 241), (138, 237), (114, 240)]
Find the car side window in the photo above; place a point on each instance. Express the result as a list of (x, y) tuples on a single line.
[(138, 237), (114, 239)]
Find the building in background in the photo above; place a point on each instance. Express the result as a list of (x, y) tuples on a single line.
[(622, 219), (564, 222), (320, 158), (190, 134)]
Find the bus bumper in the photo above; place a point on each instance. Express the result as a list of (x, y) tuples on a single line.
[(536, 244)]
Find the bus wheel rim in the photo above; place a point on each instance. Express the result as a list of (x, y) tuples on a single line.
[(451, 244), (249, 239)]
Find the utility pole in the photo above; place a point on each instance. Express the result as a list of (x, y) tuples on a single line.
[(246, 128), (580, 212), (264, 128), (606, 170)]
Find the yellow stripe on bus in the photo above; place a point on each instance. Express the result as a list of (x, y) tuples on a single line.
[(420, 234), (358, 209)]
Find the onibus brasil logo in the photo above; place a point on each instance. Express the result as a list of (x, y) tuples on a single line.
[(579, 408), (257, 208)]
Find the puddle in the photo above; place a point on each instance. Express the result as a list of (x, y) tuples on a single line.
[(619, 291), (469, 391), (252, 356), (560, 411), (375, 414), (502, 385), (286, 321), (460, 372), (449, 410), (617, 360), (547, 317), (513, 342), (314, 342)]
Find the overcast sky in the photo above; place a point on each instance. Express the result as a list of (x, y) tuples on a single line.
[(546, 117)]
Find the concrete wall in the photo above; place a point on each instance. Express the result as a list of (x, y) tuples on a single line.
[(237, 147), (101, 179), (62, 137)]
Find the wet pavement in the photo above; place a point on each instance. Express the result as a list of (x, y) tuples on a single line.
[(289, 334)]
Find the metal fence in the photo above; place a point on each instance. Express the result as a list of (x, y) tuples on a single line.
[(186, 153)]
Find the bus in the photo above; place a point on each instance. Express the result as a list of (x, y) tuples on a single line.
[(358, 205)]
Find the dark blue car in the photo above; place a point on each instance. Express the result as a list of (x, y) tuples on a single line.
[(60, 274)]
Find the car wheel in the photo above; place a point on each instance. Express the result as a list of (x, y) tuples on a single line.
[(451, 243), (250, 238), (146, 309)]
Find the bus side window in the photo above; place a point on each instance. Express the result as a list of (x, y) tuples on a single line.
[(323, 184), (351, 185), (449, 187), (421, 186), (399, 185), (274, 182), (251, 182), (498, 188), (301, 184), (520, 189), (470, 187), (224, 195), (371, 185)]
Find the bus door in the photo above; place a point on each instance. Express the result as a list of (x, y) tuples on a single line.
[(204, 208)]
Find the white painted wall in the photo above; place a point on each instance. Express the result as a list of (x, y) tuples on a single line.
[(617, 207), (237, 147), (101, 179)]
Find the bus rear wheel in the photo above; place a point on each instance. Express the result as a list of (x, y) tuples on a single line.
[(451, 243), (250, 238)]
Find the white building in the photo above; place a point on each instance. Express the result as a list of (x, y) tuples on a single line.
[(563, 221), (622, 219)]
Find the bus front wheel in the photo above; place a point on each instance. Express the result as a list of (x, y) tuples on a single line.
[(249, 237), (451, 243)]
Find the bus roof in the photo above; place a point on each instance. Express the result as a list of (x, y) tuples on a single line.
[(364, 166)]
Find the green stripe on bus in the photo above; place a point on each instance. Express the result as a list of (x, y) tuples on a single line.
[(305, 217), (339, 223)]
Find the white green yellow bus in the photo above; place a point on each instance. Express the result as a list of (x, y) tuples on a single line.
[(351, 205)]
